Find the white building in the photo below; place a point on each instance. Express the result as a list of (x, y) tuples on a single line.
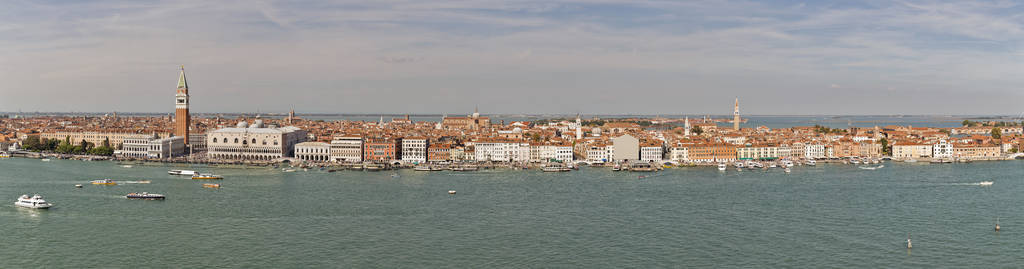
[(313, 151), (598, 154), (942, 149), (652, 153), (414, 149), (906, 151), (347, 149), (679, 154), (256, 142), (148, 146), (814, 151), (561, 153)]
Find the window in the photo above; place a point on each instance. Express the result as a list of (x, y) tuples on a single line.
[(254, 140), (236, 140), (214, 140)]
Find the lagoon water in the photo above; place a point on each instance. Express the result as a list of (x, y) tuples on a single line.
[(828, 216)]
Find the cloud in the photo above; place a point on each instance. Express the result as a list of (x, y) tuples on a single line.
[(586, 49)]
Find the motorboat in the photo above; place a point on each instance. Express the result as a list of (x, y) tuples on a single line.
[(35, 201), (287, 170), (555, 167), (721, 166), (207, 176), (145, 196), (182, 172), (985, 183), (787, 163), (436, 168), (773, 165), (451, 192), (45, 160), (5, 155), (739, 165), (127, 166), (789, 169), (617, 167), (211, 185), (812, 162), (105, 181), (468, 167), (78, 185)]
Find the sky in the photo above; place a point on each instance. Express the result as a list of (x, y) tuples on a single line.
[(512, 57)]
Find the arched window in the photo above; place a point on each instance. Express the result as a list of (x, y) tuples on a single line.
[(214, 140), (254, 140), (275, 142), (236, 140), (264, 142)]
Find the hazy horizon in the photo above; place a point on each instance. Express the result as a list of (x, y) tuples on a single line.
[(605, 57)]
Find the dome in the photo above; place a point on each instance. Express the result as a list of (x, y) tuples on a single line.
[(257, 124), (243, 124)]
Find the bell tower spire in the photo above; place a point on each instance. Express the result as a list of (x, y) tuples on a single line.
[(182, 120)]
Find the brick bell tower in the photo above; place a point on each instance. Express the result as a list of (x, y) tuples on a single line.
[(181, 118)]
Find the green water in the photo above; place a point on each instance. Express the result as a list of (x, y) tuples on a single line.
[(829, 216)]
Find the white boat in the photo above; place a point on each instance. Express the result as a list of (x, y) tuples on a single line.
[(145, 196), (721, 167), (986, 183), (421, 168), (127, 166), (181, 172), (812, 162), (36, 201), (287, 170), (617, 167), (45, 160), (788, 170), (787, 163), (555, 167), (739, 165)]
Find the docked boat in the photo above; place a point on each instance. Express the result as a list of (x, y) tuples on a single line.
[(721, 166), (182, 172), (739, 165), (5, 155), (555, 167), (787, 163), (105, 181), (35, 201), (421, 168), (812, 162), (642, 167), (468, 167), (145, 196), (211, 185), (436, 168), (287, 170), (207, 176), (617, 167)]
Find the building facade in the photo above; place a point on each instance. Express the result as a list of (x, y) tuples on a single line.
[(313, 151), (245, 142), (348, 148), (182, 120)]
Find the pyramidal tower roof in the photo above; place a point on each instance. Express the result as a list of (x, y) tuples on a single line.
[(182, 84)]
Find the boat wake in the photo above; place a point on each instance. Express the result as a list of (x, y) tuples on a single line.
[(871, 168), (983, 183), (134, 182)]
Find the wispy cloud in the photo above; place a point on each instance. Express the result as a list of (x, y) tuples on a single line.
[(508, 52)]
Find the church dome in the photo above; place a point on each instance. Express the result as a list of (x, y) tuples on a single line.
[(242, 124), (257, 124)]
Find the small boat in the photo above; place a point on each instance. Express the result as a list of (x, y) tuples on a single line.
[(331, 170), (127, 166), (909, 245), (997, 224), (211, 185), (181, 172), (207, 176), (436, 168), (721, 167), (145, 196), (78, 185), (421, 168), (789, 170), (36, 201), (617, 167), (4, 155), (910, 160), (787, 163), (985, 183), (739, 165), (105, 181), (287, 170), (451, 191), (45, 160), (812, 162)]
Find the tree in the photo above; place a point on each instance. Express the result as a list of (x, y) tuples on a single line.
[(997, 133), (697, 130), (106, 142), (32, 143), (886, 150), (102, 151), (65, 147)]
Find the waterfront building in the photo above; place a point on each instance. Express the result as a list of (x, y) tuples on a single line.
[(439, 152), (679, 154), (182, 120), (382, 149), (597, 153), (115, 137), (151, 147), (627, 148), (757, 152), (255, 142), (814, 151), (975, 151), (196, 142), (313, 151), (471, 122), (548, 152), (652, 151), (414, 149), (498, 150), (347, 148), (942, 150), (909, 150)]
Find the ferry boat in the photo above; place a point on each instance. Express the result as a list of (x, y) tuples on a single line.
[(145, 196), (422, 168), (36, 201), (436, 168), (555, 167), (721, 166), (211, 185), (182, 172), (105, 181), (467, 167), (642, 167), (5, 155), (207, 176)]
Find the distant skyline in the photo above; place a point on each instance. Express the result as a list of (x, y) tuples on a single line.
[(516, 57)]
